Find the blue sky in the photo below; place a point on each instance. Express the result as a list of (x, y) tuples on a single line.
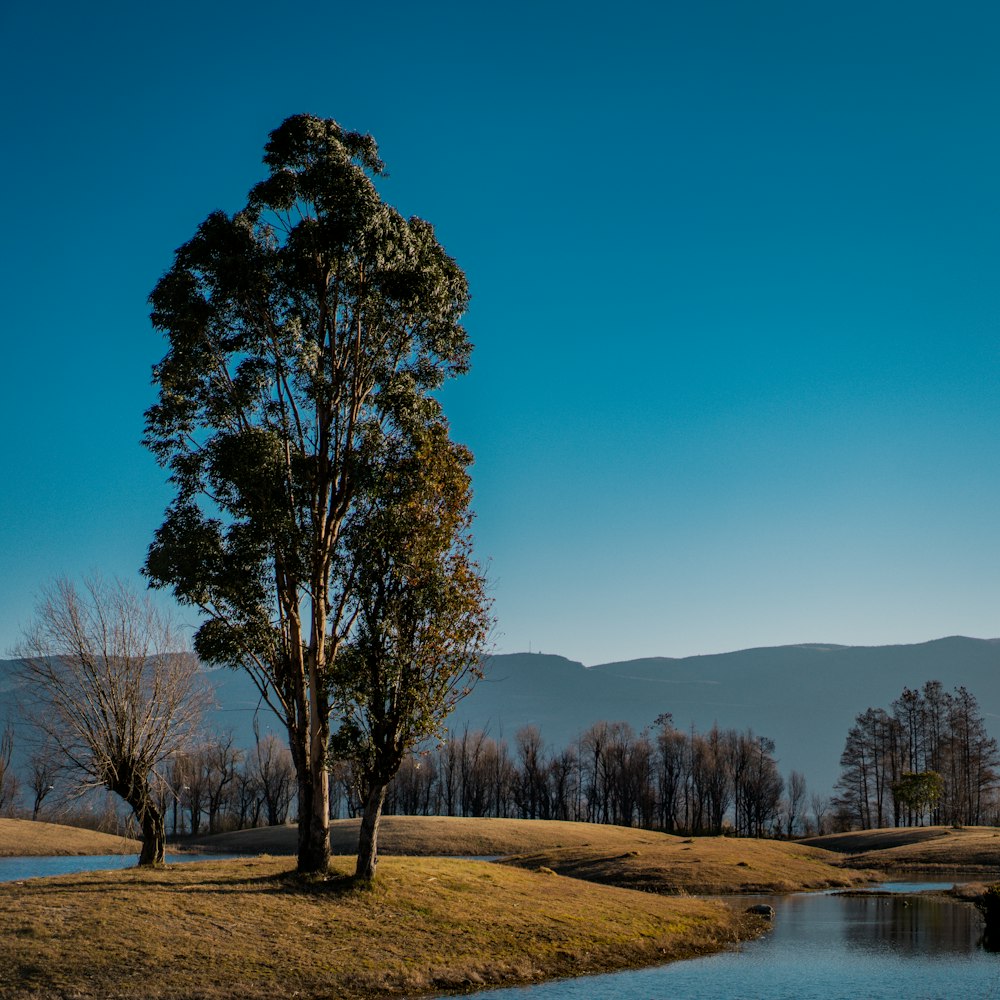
[(736, 292)]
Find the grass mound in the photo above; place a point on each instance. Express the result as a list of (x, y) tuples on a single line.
[(706, 865), (251, 928), (21, 837), (432, 836), (931, 848)]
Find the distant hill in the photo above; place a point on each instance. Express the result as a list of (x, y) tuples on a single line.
[(804, 697)]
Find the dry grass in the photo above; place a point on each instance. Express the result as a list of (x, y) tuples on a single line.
[(21, 837), (433, 836), (249, 928), (704, 865), (612, 855), (938, 848)]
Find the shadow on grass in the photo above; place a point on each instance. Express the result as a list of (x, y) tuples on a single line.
[(291, 882)]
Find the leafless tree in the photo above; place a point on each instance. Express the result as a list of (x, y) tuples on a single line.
[(9, 785), (42, 769), (274, 772), (795, 801), (109, 685), (820, 806)]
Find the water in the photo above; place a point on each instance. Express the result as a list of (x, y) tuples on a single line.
[(822, 946), (19, 868)]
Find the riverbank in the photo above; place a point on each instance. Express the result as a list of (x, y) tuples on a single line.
[(250, 928), (959, 852), (24, 838)]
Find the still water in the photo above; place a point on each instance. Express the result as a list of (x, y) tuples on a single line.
[(16, 869), (822, 946)]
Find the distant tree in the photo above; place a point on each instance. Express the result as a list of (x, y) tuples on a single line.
[(918, 793), (222, 760), (795, 800), (302, 330), (532, 793), (820, 806), (275, 776), (9, 784), (42, 771), (928, 731), (421, 613), (110, 690)]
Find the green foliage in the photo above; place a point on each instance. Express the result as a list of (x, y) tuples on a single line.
[(307, 334), (419, 602), (918, 792)]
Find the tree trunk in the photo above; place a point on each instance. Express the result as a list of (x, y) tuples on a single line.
[(314, 819), (368, 837), (154, 834)]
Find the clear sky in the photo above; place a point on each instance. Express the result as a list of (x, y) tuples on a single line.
[(736, 291)]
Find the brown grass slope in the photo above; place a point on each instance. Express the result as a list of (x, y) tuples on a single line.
[(704, 865), (21, 837), (940, 848), (433, 836), (248, 928), (612, 855)]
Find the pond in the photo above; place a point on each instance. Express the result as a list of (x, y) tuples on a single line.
[(16, 869), (822, 945)]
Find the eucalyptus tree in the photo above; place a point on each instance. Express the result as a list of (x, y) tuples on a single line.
[(421, 615), (303, 330)]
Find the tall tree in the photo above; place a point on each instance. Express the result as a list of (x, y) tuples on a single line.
[(108, 688), (418, 602), (303, 329)]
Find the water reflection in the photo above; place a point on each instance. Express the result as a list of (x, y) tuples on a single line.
[(821, 947), (910, 925)]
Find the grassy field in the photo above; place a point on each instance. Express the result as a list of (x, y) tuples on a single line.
[(430, 836), (971, 849), (611, 855), (704, 865), (21, 837), (249, 928)]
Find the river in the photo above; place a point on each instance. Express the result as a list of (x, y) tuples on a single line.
[(822, 946), (18, 868)]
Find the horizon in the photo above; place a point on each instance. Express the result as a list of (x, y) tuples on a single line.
[(745, 649), (733, 278)]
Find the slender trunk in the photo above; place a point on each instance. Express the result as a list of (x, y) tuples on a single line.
[(368, 837)]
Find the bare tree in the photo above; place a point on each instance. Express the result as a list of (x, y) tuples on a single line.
[(795, 801), (820, 806), (274, 772), (42, 776), (9, 785), (108, 685)]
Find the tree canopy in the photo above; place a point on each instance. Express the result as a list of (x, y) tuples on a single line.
[(307, 333)]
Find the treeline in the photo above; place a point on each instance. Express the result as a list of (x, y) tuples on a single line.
[(927, 757), (212, 786), (664, 778), (217, 787)]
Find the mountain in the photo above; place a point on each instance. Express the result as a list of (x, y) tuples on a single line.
[(803, 697)]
